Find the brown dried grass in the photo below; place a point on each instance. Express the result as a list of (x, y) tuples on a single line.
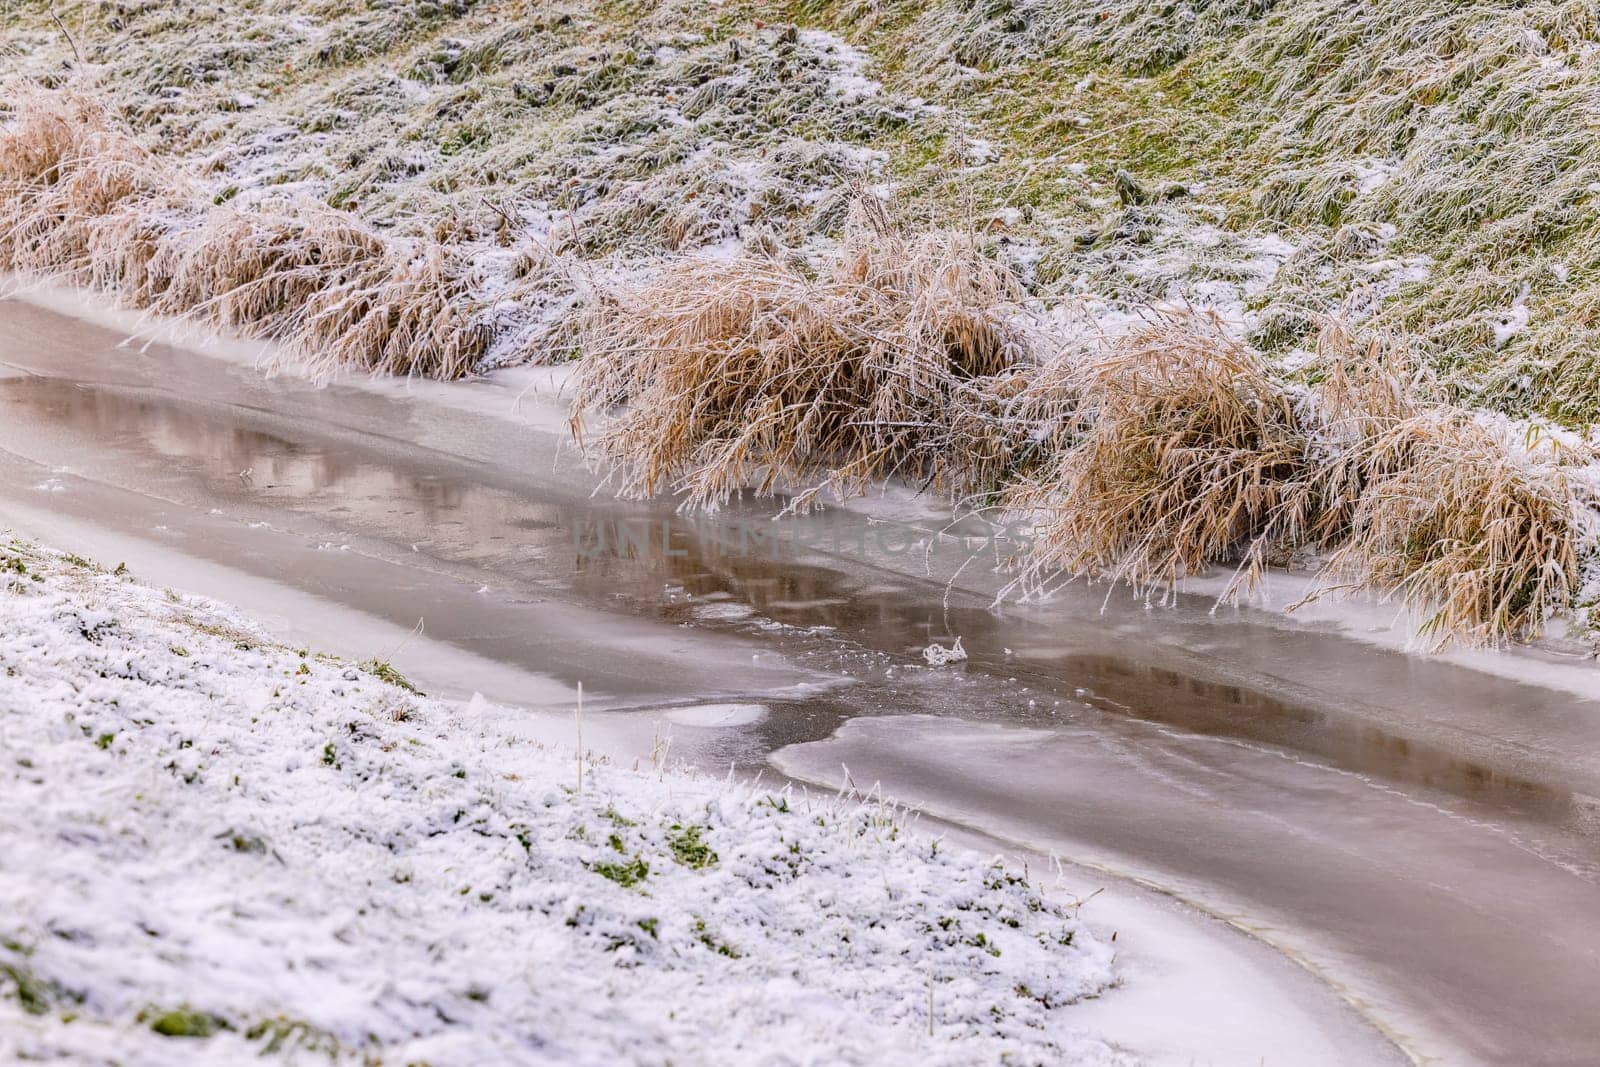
[(1182, 453), (256, 270), (70, 185), (1455, 521), (1453, 514), (1152, 458), (1170, 451), (411, 313), (83, 201), (1186, 452), (719, 375)]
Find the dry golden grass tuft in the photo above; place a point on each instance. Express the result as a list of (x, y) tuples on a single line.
[(1187, 452), (1458, 523), (72, 186), (1182, 452), (719, 375), (256, 270), (1474, 523), (83, 201), (46, 135), (332, 289), (410, 312), (1171, 450)]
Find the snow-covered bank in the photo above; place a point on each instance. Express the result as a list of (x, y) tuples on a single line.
[(213, 835)]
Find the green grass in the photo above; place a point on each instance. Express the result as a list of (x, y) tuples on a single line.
[(185, 1022), (385, 672), (688, 849), (280, 1034), (35, 995), (626, 874), (1271, 111), (1258, 109)]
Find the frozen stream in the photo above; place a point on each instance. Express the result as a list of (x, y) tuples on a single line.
[(1423, 835)]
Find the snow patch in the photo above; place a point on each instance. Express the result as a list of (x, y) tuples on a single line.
[(211, 834), (716, 716), (1513, 322)]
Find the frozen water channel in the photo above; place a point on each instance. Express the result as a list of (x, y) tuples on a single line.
[(1420, 837)]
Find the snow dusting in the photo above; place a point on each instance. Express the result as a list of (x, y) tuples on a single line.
[(216, 847)]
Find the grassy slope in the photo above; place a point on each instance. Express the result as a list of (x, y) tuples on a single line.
[(1462, 126), (422, 116)]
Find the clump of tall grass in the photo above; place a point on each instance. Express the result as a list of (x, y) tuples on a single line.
[(1470, 519), (719, 375), (80, 199), (1186, 452), (257, 269), (1182, 452), (1147, 459), (71, 188), (1481, 539), (337, 293)]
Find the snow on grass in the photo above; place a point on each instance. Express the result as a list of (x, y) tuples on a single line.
[(846, 65), (215, 846), (1512, 322)]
